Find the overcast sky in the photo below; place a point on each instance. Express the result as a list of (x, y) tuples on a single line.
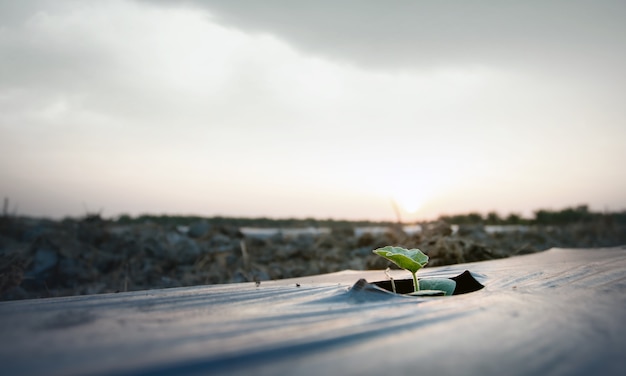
[(312, 108)]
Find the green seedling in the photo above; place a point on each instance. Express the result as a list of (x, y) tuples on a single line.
[(409, 259), (413, 260)]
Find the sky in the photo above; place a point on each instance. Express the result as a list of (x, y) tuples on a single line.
[(325, 109)]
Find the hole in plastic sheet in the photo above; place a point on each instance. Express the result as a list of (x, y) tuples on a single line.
[(465, 283)]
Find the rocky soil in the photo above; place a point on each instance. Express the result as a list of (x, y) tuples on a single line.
[(43, 258)]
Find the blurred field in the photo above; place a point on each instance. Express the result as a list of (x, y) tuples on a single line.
[(90, 255)]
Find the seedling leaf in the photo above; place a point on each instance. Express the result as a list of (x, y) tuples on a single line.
[(409, 259), (443, 284)]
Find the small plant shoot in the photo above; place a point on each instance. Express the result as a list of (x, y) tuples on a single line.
[(413, 260), (393, 284), (409, 259)]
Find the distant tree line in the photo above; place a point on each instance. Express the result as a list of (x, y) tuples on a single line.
[(570, 215), (175, 220)]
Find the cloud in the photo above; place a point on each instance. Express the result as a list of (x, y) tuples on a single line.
[(410, 34)]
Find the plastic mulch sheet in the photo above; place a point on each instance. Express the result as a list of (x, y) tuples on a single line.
[(559, 312)]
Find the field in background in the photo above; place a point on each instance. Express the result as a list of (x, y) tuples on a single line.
[(45, 258)]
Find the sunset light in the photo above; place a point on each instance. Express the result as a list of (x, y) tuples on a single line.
[(410, 202)]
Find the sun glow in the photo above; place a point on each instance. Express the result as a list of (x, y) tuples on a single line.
[(408, 199), (409, 204)]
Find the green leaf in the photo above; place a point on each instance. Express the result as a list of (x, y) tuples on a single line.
[(443, 284), (409, 259)]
